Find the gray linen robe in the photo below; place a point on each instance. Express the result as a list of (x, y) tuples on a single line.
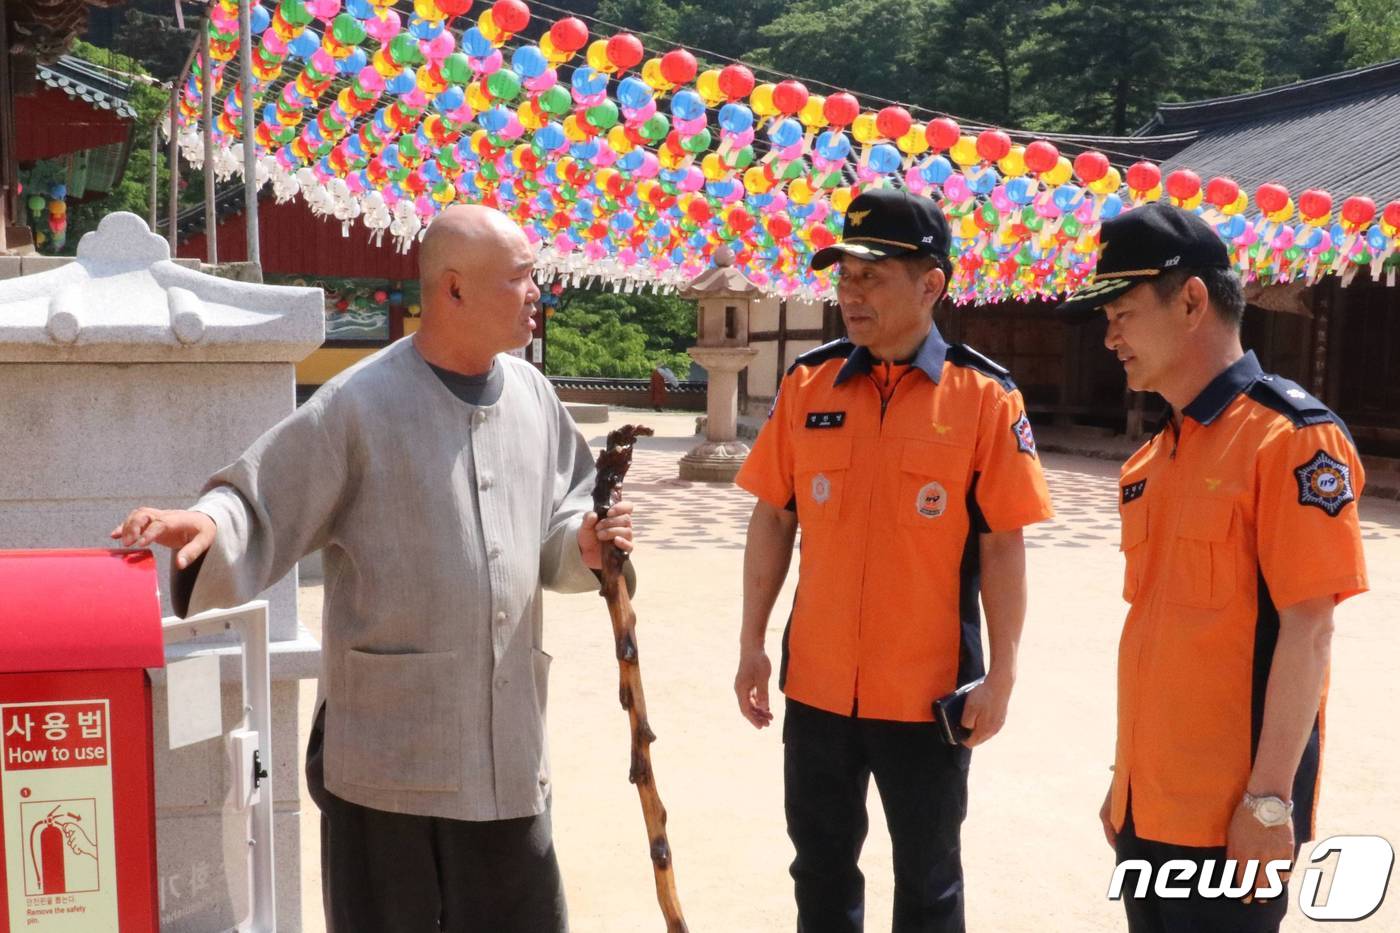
[(440, 521)]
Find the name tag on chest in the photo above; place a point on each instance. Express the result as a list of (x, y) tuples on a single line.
[(825, 419)]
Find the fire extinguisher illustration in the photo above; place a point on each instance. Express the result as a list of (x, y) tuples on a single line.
[(49, 860)]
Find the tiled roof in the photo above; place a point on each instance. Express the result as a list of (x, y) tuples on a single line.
[(1340, 133), (78, 79)]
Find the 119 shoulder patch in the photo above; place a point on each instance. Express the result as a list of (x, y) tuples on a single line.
[(1324, 482), (1025, 440)]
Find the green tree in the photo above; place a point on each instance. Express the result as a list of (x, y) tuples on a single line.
[(1369, 30), (1103, 66), (598, 333), (870, 46), (977, 59)]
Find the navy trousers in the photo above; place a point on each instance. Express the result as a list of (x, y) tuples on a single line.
[(828, 761), (1194, 914)]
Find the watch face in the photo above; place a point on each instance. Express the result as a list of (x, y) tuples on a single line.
[(1271, 812)]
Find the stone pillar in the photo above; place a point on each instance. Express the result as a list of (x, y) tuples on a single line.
[(724, 298), (127, 379)]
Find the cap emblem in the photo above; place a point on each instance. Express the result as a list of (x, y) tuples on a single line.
[(858, 217)]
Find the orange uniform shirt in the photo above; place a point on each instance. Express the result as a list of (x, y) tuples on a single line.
[(1247, 509), (893, 471)]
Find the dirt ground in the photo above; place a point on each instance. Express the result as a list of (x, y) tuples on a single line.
[(1033, 852)]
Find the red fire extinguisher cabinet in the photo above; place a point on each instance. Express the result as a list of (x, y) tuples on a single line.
[(78, 630)]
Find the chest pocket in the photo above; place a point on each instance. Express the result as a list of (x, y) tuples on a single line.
[(933, 482), (1134, 547), (1203, 573), (823, 467)]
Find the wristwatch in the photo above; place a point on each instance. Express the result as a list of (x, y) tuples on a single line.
[(1271, 811)]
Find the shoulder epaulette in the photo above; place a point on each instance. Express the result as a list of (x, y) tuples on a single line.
[(836, 350), (1294, 402), (960, 354)]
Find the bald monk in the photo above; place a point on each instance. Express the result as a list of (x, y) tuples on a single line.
[(445, 484)]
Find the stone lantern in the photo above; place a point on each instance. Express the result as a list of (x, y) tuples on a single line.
[(724, 298), (127, 379)]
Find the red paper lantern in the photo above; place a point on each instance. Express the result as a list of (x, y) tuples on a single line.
[(569, 35), (822, 237), (893, 122), (736, 81), (1314, 203), (1271, 197), (790, 96), (510, 15), (678, 66), (454, 7), (993, 145), (779, 226), (1392, 214), (841, 109), (625, 51), (1090, 166), (1222, 192), (1041, 156), (1358, 211), (1144, 176), (941, 133), (1183, 184)]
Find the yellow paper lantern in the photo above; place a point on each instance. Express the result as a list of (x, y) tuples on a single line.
[(812, 115), (383, 64), (551, 52), (964, 151), (863, 128), (713, 167), (1013, 164), (1061, 173), (531, 116), (431, 81), (841, 199), (493, 33), (761, 100), (1108, 184), (755, 181), (800, 191), (598, 57), (651, 74), (617, 139), (1282, 214), (428, 10), (707, 85), (914, 142), (478, 99)]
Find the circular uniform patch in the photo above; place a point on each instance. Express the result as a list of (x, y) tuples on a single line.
[(1324, 482), (821, 488), (932, 501)]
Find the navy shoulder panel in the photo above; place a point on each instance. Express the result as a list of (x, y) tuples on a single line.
[(836, 350), (1293, 402), (960, 354)]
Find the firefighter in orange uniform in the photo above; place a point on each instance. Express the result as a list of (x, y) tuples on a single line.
[(1240, 535), (910, 467)]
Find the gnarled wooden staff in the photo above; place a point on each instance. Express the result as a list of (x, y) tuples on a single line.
[(612, 467)]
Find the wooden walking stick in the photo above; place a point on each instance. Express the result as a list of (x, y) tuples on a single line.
[(612, 467)]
